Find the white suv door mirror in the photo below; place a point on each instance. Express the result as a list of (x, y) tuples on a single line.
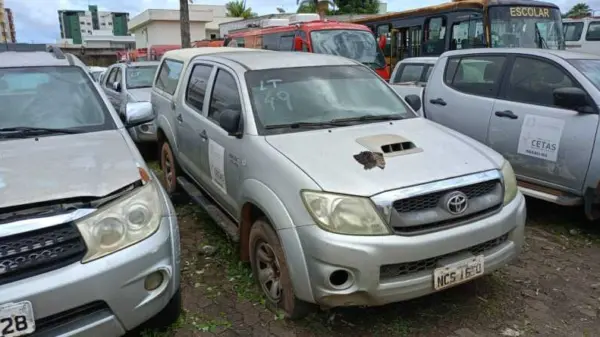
[(138, 113)]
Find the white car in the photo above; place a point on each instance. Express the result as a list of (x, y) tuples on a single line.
[(97, 72)]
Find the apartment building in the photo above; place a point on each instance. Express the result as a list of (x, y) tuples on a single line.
[(7, 25), (78, 26)]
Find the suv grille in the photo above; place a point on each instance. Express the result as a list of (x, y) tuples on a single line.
[(426, 213), (401, 269), (28, 254)]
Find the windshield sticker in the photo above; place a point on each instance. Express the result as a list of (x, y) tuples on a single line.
[(216, 161), (370, 159), (540, 137), (281, 96), (270, 82), (534, 12)]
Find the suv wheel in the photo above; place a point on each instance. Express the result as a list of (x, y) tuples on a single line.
[(169, 167), (271, 272)]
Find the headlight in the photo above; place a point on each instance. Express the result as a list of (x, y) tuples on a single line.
[(121, 223), (510, 182), (344, 214)]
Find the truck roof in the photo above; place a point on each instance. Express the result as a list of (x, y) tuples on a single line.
[(186, 54), (259, 60), (564, 54)]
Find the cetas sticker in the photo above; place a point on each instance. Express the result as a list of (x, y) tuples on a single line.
[(216, 161), (540, 137)]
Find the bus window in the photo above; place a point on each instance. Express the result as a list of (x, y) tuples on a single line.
[(286, 42), (467, 34), (435, 36), (270, 41), (572, 30), (593, 32), (385, 30), (526, 27)]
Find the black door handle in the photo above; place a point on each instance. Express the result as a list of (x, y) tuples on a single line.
[(507, 114), (172, 105), (179, 118), (438, 101), (203, 135)]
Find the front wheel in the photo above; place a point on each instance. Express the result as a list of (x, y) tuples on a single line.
[(169, 167), (272, 274)]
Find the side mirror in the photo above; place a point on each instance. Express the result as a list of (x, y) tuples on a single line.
[(414, 101), (138, 113), (230, 122), (117, 86), (382, 42), (298, 43), (573, 99)]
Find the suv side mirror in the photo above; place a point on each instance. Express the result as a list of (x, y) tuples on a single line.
[(230, 122), (414, 101), (572, 98), (138, 113), (298, 43), (117, 86)]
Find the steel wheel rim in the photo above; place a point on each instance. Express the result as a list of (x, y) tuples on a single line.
[(269, 275), (167, 166)]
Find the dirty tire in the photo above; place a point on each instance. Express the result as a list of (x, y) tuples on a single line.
[(262, 236), (169, 167)]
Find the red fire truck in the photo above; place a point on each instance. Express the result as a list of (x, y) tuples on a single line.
[(307, 33)]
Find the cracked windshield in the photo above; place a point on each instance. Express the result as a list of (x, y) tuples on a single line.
[(355, 44), (322, 168)]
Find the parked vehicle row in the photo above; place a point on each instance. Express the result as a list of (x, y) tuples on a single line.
[(330, 183), (538, 108), (89, 243)]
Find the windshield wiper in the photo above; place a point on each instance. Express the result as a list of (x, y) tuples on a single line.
[(367, 118), (27, 130), (541, 41), (298, 125)]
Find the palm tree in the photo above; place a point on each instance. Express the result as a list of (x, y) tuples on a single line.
[(320, 6), (238, 9), (184, 16), (579, 10)]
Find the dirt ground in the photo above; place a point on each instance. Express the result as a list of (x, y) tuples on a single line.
[(553, 289)]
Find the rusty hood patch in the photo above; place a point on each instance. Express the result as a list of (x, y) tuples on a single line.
[(64, 166)]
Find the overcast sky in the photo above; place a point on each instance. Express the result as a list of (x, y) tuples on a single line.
[(37, 20)]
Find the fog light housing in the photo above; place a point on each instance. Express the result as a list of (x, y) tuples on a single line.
[(153, 281), (145, 128)]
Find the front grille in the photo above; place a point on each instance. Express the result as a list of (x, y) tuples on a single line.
[(402, 269), (43, 326), (28, 254), (431, 200)]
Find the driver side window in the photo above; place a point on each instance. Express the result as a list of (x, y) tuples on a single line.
[(110, 79), (533, 81), (225, 96)]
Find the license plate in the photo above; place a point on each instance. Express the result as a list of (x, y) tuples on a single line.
[(458, 272), (16, 319)]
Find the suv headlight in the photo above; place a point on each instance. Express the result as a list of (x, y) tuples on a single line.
[(122, 223), (510, 182), (344, 214)]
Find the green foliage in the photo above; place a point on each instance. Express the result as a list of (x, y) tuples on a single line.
[(238, 9), (339, 7), (579, 10)]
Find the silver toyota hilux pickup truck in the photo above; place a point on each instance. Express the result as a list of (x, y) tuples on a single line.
[(89, 243), (338, 193)]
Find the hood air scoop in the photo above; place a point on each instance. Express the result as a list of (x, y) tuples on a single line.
[(389, 145)]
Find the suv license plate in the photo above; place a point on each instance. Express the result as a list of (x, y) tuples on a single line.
[(16, 319), (458, 272)]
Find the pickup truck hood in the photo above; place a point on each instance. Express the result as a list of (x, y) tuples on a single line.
[(140, 94), (64, 166), (327, 156)]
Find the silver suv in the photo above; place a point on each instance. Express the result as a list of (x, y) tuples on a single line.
[(337, 192), (89, 243), (129, 82)]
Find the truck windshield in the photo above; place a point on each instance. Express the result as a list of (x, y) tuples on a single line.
[(526, 27), (51, 97), (358, 45), (321, 95), (140, 76)]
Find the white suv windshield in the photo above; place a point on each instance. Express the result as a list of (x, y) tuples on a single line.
[(51, 97), (321, 95)]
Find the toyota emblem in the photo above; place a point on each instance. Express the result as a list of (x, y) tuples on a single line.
[(456, 202)]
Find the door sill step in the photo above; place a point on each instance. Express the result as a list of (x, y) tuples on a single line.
[(550, 195), (222, 219)]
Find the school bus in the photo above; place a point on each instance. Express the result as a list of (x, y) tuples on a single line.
[(461, 24), (308, 33)]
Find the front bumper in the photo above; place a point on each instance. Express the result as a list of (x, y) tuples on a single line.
[(144, 133), (406, 260), (105, 297)]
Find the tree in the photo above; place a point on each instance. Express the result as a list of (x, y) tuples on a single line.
[(357, 6), (312, 6), (238, 9), (184, 18), (579, 10)]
